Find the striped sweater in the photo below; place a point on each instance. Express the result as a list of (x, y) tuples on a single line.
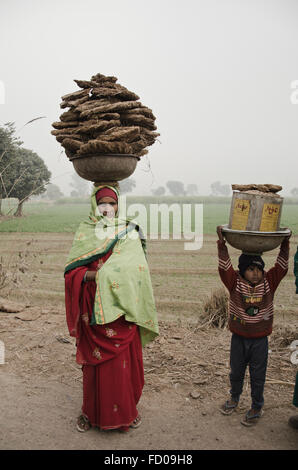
[(251, 307)]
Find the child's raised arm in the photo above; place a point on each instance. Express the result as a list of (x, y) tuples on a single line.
[(226, 271), (280, 269)]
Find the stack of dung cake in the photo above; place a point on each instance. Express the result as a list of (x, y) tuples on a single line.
[(106, 129)]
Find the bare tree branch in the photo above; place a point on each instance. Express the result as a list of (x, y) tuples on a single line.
[(4, 187), (30, 194), (17, 180), (31, 120)]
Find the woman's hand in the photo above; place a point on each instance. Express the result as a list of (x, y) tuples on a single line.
[(91, 275), (100, 264)]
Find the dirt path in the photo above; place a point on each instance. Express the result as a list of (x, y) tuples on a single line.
[(41, 391), (186, 369), (41, 415)]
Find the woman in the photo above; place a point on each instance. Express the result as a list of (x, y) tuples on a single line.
[(110, 310)]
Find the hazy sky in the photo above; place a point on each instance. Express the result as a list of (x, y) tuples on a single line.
[(216, 73)]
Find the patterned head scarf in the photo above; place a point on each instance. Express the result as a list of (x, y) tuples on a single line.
[(106, 192)]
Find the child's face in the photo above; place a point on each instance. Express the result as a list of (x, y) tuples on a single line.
[(253, 274), (107, 206)]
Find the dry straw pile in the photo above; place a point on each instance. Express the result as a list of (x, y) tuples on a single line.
[(104, 117), (215, 309)]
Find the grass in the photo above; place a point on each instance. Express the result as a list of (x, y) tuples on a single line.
[(41, 217), (61, 218)]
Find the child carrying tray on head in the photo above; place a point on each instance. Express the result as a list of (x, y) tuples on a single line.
[(250, 321)]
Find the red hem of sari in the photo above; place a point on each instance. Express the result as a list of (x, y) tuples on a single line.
[(121, 427)]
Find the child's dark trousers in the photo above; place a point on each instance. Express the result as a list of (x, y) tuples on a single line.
[(252, 352)]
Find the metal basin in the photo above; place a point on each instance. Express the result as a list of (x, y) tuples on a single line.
[(113, 167), (254, 242)]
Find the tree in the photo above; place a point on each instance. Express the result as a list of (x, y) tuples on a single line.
[(127, 185), (176, 188), (160, 191), (8, 153), (53, 192), (22, 172), (219, 189), (215, 188), (192, 189), (225, 190), (32, 177), (82, 187)]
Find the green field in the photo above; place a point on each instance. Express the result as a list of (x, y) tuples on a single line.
[(59, 218)]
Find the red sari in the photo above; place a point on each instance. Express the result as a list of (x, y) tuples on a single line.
[(111, 356)]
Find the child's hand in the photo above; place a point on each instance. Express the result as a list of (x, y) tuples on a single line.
[(287, 237), (219, 233)]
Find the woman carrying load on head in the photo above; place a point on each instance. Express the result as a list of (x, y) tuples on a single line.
[(110, 311)]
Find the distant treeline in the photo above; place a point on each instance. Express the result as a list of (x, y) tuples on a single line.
[(131, 199), (167, 200)]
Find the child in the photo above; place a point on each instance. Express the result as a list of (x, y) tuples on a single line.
[(250, 321)]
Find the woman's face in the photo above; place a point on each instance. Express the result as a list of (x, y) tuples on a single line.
[(107, 206)]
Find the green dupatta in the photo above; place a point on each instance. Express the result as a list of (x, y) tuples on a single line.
[(123, 283)]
